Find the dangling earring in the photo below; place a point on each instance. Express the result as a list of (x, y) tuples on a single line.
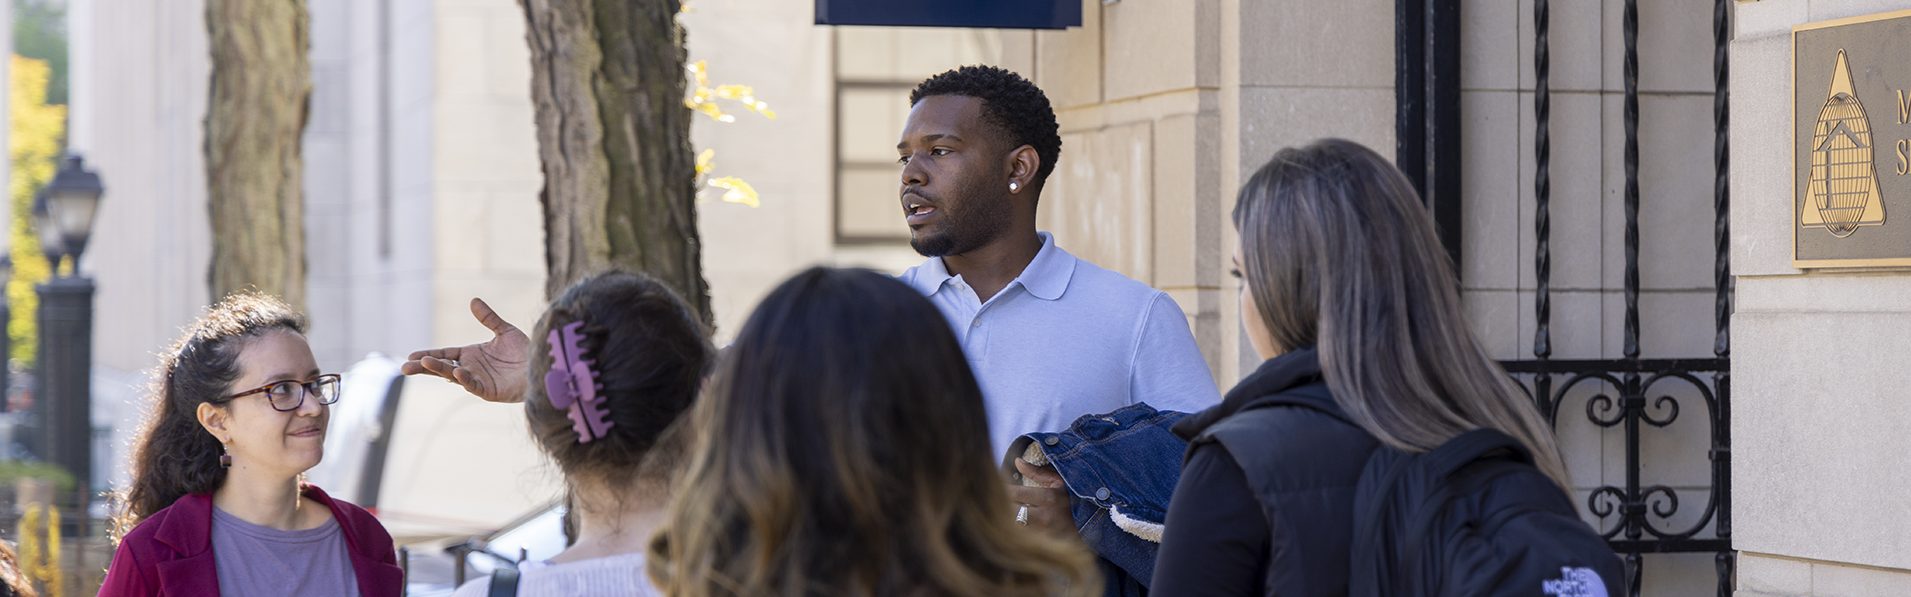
[(225, 458), (1014, 186)]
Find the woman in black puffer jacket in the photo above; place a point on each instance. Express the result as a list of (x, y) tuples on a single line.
[(1350, 298)]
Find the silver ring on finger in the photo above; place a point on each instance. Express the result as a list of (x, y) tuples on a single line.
[(1021, 515)]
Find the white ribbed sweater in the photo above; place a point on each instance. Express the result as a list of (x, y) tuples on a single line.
[(613, 576)]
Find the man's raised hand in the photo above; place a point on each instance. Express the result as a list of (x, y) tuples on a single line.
[(497, 370)]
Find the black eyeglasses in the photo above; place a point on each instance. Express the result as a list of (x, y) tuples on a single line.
[(289, 395)]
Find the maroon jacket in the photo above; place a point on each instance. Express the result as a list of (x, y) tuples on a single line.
[(170, 553)]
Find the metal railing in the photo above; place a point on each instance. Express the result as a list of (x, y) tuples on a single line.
[(1629, 393), (60, 540)]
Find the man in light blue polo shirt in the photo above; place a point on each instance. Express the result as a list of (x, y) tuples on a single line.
[(1051, 337)]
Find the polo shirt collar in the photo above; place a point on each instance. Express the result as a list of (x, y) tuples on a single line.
[(930, 276), (1046, 276)]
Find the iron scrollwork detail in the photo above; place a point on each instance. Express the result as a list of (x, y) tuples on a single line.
[(1626, 394)]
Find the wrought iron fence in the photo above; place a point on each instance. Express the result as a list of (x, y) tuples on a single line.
[(1630, 393), (60, 536)]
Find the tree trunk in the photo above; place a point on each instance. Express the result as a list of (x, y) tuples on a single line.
[(255, 118), (607, 77)]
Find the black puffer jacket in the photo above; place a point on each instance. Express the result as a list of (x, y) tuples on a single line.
[(1300, 465)]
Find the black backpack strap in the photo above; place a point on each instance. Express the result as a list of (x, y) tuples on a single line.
[(1383, 472), (504, 582), (1455, 462), (1388, 467)]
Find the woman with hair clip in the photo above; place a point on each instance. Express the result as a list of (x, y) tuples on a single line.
[(1350, 299), (618, 359), (216, 504), (842, 450)]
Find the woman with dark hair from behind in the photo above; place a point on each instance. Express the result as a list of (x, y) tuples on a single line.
[(216, 504), (842, 450), (617, 359), (1348, 295)]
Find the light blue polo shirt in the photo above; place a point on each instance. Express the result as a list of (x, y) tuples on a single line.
[(1067, 338)]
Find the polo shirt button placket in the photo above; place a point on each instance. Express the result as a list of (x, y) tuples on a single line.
[(975, 339)]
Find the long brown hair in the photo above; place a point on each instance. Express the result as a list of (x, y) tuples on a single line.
[(173, 455), (842, 450), (1340, 254)]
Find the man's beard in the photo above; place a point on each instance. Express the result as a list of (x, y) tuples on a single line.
[(932, 246), (966, 230)]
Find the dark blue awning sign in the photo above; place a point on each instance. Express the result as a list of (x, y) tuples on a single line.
[(997, 14)]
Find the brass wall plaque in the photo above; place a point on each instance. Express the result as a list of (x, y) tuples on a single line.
[(1851, 140)]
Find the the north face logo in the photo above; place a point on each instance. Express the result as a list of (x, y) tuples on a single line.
[(1575, 582)]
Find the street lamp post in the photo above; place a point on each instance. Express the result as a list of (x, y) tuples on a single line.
[(66, 321), (51, 245)]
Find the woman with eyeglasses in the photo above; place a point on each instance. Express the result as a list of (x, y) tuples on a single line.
[(216, 505)]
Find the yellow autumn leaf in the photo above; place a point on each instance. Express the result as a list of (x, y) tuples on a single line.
[(712, 110), (705, 161), (703, 98), (701, 71), (735, 190), (733, 92)]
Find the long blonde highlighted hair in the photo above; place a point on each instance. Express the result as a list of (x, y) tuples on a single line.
[(1339, 254), (842, 450)]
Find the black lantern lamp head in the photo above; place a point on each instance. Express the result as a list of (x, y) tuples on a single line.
[(51, 244), (72, 200)]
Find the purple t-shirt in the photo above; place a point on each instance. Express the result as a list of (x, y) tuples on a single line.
[(257, 560)]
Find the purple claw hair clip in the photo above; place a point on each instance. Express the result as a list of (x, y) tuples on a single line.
[(572, 384)]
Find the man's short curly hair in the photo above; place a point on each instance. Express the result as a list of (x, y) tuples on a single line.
[(1009, 101)]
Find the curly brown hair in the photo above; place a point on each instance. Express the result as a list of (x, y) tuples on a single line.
[(174, 456)]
